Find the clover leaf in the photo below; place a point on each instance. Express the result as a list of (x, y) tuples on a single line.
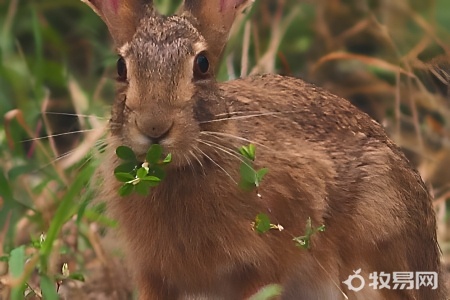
[(140, 177)]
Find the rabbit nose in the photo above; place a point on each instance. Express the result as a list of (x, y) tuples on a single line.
[(158, 133), (155, 132)]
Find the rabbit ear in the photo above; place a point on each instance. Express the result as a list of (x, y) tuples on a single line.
[(215, 18), (121, 16)]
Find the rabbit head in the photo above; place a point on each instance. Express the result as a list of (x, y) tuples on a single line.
[(166, 70)]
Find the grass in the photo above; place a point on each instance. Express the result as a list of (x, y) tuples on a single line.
[(391, 59)]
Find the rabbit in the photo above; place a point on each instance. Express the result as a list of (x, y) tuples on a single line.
[(193, 236)]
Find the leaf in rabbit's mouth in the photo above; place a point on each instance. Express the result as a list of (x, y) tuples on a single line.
[(140, 176)]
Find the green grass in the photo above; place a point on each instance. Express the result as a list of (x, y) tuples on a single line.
[(56, 56)]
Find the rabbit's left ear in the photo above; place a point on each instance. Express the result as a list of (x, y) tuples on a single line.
[(215, 18), (121, 16)]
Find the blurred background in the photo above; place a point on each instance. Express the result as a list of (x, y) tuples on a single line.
[(390, 58)]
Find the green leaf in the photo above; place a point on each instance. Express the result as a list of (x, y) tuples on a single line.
[(244, 151), (262, 223), (304, 241), (154, 154), (251, 151), (48, 288), (260, 175), (126, 189), (321, 228), (151, 179), (124, 177), (246, 186), (248, 174), (127, 167), (125, 153), (142, 188), (16, 265), (36, 244), (268, 292), (76, 276), (141, 173), (157, 172), (248, 151), (17, 261), (168, 158)]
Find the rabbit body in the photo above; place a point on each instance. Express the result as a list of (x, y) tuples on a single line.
[(327, 161), (192, 237)]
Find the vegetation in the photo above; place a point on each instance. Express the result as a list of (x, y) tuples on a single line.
[(391, 58), (140, 176)]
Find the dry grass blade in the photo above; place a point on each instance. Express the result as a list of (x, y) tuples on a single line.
[(368, 60), (245, 49), (79, 100)]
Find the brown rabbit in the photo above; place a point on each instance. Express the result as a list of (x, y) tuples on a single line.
[(192, 237)]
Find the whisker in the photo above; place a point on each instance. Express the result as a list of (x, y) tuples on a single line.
[(57, 159), (97, 145), (61, 134), (71, 115), (64, 155), (238, 113), (225, 150), (197, 159), (250, 116), (235, 137), (219, 166), (189, 162), (337, 284)]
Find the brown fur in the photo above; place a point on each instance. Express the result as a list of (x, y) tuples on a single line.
[(192, 237)]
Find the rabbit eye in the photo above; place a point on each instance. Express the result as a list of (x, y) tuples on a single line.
[(201, 66), (121, 69)]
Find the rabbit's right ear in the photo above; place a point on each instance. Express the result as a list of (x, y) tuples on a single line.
[(121, 16), (215, 18)]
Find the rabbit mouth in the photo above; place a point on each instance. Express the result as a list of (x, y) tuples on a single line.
[(171, 142)]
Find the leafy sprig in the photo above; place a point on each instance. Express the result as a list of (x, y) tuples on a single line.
[(304, 241), (140, 176), (262, 224), (250, 178)]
